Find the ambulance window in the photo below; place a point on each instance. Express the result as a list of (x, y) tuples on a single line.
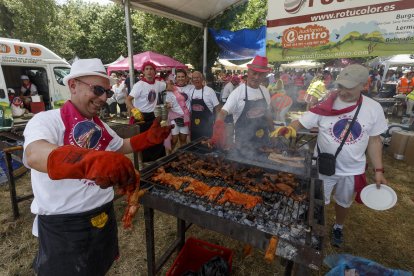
[(60, 73)]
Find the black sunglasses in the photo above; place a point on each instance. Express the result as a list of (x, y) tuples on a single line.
[(98, 90)]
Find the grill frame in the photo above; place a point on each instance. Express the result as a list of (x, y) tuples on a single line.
[(304, 254)]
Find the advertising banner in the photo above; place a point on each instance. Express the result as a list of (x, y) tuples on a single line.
[(326, 29)]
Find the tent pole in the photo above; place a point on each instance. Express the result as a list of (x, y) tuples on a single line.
[(205, 51), (129, 43)]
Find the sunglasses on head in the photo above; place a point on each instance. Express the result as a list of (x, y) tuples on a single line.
[(97, 89)]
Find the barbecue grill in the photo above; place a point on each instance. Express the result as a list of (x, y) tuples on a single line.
[(298, 223)]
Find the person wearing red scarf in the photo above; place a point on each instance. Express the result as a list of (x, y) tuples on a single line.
[(75, 161), (142, 100), (333, 116)]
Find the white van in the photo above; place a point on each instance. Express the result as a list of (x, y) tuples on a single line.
[(44, 68)]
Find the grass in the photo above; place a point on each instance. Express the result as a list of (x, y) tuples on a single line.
[(385, 237)]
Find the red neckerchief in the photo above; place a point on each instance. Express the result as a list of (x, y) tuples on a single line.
[(147, 81), (325, 108), (82, 132)]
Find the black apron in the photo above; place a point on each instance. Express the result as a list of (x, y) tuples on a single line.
[(77, 244), (201, 118), (157, 151), (251, 129)]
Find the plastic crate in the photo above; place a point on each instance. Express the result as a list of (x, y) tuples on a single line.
[(195, 253)]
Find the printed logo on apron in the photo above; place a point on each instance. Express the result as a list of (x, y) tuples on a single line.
[(197, 121), (255, 112), (260, 133), (87, 134), (197, 107), (152, 96)]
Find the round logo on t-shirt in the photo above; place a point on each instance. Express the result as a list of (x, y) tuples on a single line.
[(87, 134), (184, 95), (152, 96), (341, 127)]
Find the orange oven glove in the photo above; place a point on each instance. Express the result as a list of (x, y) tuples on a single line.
[(155, 135), (219, 134), (106, 168)]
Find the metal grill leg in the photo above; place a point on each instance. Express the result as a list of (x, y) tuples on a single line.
[(12, 184), (149, 234)]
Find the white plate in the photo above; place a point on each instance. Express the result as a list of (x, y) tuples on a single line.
[(378, 199)]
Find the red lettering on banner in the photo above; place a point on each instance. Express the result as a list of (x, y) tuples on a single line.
[(310, 36)]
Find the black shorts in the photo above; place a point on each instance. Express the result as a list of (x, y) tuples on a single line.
[(77, 244)]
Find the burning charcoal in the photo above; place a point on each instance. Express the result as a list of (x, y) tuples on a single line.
[(220, 213)]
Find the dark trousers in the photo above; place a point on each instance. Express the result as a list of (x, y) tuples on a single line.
[(77, 244)]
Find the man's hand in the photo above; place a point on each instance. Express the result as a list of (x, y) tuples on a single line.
[(380, 179), (106, 168), (155, 135), (219, 134), (287, 132)]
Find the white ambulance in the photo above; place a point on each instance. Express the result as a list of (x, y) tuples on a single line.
[(44, 68)]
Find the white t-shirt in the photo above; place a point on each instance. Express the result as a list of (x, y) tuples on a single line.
[(188, 89), (235, 102), (209, 97), (227, 89), (370, 122), (66, 196), (120, 93), (146, 95), (33, 90)]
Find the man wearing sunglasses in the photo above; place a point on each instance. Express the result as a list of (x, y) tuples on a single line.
[(333, 117), (76, 159)]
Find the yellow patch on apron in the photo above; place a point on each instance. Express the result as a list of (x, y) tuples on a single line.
[(197, 121), (260, 133), (100, 220)]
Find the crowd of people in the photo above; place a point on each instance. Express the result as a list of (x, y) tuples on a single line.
[(76, 159)]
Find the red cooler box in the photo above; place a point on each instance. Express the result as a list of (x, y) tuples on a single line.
[(195, 253)]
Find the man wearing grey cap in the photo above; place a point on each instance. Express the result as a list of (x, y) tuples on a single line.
[(75, 161), (334, 117)]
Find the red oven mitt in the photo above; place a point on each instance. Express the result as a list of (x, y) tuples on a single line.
[(219, 134), (106, 168), (155, 135)]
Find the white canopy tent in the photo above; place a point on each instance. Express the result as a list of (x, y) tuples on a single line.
[(302, 64), (194, 12), (121, 57), (397, 60)]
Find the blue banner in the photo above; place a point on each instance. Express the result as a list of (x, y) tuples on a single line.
[(242, 44)]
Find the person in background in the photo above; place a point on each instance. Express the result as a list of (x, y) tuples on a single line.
[(332, 116), (178, 105), (249, 104), (204, 103), (120, 94), (75, 160), (410, 104), (141, 104), (229, 87), (279, 101), (403, 83), (315, 92), (128, 81), (27, 90)]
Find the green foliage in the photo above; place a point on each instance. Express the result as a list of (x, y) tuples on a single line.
[(78, 28)]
